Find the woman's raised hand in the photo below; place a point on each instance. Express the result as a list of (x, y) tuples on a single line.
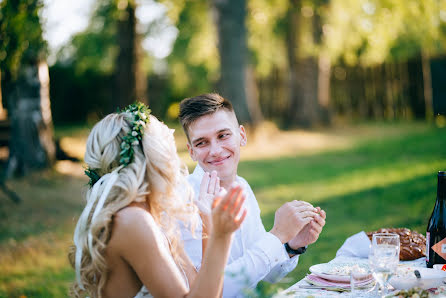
[(228, 212)]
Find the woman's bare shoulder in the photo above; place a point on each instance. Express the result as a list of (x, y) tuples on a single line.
[(134, 223)]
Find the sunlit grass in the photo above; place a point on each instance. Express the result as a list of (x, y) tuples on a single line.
[(365, 176)]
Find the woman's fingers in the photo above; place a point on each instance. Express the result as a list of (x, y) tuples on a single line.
[(238, 204), (238, 220), (217, 202), (231, 202), (223, 201), (233, 199)]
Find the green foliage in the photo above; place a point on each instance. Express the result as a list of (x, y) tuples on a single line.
[(266, 33), (194, 60), (375, 31), (96, 48), (20, 34)]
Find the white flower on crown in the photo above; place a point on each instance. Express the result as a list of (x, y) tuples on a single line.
[(134, 133)]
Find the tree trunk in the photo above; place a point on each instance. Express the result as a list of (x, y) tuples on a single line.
[(230, 20), (252, 96), (2, 110), (323, 88), (427, 85), (304, 109), (127, 90), (31, 145), (416, 93)]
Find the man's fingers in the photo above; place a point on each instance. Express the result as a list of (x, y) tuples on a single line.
[(307, 214), (323, 214), (204, 183), (296, 203), (217, 186), (212, 182), (319, 220), (303, 208), (315, 229)]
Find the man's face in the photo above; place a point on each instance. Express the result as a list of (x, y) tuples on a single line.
[(215, 141)]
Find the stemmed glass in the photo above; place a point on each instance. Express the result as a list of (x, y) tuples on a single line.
[(384, 257)]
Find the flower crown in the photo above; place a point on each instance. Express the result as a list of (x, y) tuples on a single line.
[(140, 114)]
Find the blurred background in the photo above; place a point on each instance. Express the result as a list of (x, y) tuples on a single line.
[(344, 101)]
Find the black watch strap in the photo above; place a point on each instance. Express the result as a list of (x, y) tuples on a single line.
[(298, 251)]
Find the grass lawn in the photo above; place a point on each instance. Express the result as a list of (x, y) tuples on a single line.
[(365, 176)]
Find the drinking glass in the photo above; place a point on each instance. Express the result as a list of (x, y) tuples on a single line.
[(360, 282), (384, 257)]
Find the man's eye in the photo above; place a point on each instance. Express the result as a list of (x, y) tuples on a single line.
[(224, 135), (200, 144)]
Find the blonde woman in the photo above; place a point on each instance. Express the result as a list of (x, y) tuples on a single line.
[(126, 240)]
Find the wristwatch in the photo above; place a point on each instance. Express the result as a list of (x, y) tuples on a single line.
[(298, 251)]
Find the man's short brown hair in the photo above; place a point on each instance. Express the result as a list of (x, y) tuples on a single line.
[(193, 108)]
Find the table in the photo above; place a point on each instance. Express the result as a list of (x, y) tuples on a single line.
[(304, 289)]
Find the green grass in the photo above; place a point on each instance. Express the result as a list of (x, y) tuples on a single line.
[(385, 176), (390, 182)]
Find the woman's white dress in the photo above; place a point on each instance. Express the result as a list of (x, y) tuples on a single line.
[(143, 293)]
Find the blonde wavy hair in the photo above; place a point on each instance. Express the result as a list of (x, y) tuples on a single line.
[(155, 176)]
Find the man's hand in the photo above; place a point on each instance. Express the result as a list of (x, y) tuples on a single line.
[(310, 233), (209, 188), (291, 218)]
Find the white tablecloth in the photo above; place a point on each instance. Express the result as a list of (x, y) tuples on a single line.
[(303, 289)]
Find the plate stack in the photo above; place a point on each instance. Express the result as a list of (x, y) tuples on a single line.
[(336, 276)]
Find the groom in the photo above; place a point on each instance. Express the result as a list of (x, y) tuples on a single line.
[(214, 140)]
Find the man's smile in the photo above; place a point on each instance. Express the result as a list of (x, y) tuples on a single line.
[(218, 161)]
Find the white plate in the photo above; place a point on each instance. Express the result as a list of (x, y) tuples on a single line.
[(430, 278), (335, 271)]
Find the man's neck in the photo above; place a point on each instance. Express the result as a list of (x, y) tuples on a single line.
[(226, 183)]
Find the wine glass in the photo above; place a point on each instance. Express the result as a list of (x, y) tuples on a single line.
[(384, 257)]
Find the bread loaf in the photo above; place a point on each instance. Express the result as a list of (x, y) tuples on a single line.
[(413, 244)]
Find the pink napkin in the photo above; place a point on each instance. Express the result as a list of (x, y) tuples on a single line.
[(332, 284)]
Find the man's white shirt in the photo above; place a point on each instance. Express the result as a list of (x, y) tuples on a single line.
[(255, 254)]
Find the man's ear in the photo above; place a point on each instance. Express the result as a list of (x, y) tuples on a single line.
[(243, 137), (191, 152)]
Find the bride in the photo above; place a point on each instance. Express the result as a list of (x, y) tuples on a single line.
[(127, 240)]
